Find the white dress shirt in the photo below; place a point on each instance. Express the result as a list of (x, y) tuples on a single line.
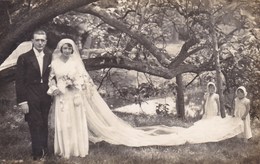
[(39, 56)]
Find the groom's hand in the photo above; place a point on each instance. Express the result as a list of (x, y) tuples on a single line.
[(24, 108)]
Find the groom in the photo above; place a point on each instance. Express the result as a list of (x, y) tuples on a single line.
[(32, 74)]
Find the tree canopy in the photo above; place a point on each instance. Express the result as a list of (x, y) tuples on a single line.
[(136, 35)]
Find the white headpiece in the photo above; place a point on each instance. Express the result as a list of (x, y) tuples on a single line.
[(211, 83), (57, 52), (243, 89), (75, 56)]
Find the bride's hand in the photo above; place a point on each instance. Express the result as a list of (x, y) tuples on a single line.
[(56, 92), (83, 86)]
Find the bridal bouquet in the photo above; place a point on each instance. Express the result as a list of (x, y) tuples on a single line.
[(74, 82)]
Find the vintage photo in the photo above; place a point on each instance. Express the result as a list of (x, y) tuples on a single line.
[(130, 81)]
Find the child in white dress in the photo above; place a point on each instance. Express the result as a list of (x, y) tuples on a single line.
[(211, 103), (241, 110)]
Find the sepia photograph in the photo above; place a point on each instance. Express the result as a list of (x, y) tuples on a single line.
[(130, 81)]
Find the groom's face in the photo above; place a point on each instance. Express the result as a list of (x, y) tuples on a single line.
[(39, 41)]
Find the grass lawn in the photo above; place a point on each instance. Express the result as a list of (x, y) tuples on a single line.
[(15, 144)]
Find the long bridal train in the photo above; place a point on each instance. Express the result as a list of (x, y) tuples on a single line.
[(104, 125)]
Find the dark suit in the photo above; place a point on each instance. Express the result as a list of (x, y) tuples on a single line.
[(31, 87)]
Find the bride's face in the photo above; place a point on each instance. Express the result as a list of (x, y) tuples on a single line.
[(67, 50)]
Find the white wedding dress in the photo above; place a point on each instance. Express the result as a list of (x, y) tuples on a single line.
[(71, 134), (103, 125)]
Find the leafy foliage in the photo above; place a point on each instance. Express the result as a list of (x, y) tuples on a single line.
[(161, 21), (162, 109)]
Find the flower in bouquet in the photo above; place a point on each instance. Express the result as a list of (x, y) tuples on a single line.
[(69, 81), (79, 83), (74, 82)]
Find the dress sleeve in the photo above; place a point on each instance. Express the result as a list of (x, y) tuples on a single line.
[(217, 96), (52, 82), (247, 102)]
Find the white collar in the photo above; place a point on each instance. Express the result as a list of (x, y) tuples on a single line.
[(37, 53)]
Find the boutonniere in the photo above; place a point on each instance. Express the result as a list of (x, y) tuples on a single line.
[(49, 66)]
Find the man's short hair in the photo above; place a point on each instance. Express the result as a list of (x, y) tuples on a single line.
[(39, 32)]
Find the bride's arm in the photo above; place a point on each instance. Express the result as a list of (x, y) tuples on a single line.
[(53, 89)]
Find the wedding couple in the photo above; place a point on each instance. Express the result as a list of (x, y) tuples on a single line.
[(41, 77), (81, 115)]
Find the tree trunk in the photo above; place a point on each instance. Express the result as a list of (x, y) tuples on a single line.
[(88, 40), (217, 65), (180, 97), (220, 86), (4, 16), (175, 35)]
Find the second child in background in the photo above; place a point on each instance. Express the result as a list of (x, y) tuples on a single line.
[(241, 110), (211, 103)]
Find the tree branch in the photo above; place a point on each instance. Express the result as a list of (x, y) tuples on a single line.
[(7, 75), (197, 75), (15, 32), (184, 54), (100, 84), (162, 57)]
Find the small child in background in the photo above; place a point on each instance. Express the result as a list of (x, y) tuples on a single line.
[(241, 110), (211, 104)]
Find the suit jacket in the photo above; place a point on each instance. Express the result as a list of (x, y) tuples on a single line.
[(30, 85)]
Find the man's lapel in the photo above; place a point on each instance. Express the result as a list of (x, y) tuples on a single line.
[(34, 61), (46, 63)]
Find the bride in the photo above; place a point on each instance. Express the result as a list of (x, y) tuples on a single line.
[(82, 114)]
